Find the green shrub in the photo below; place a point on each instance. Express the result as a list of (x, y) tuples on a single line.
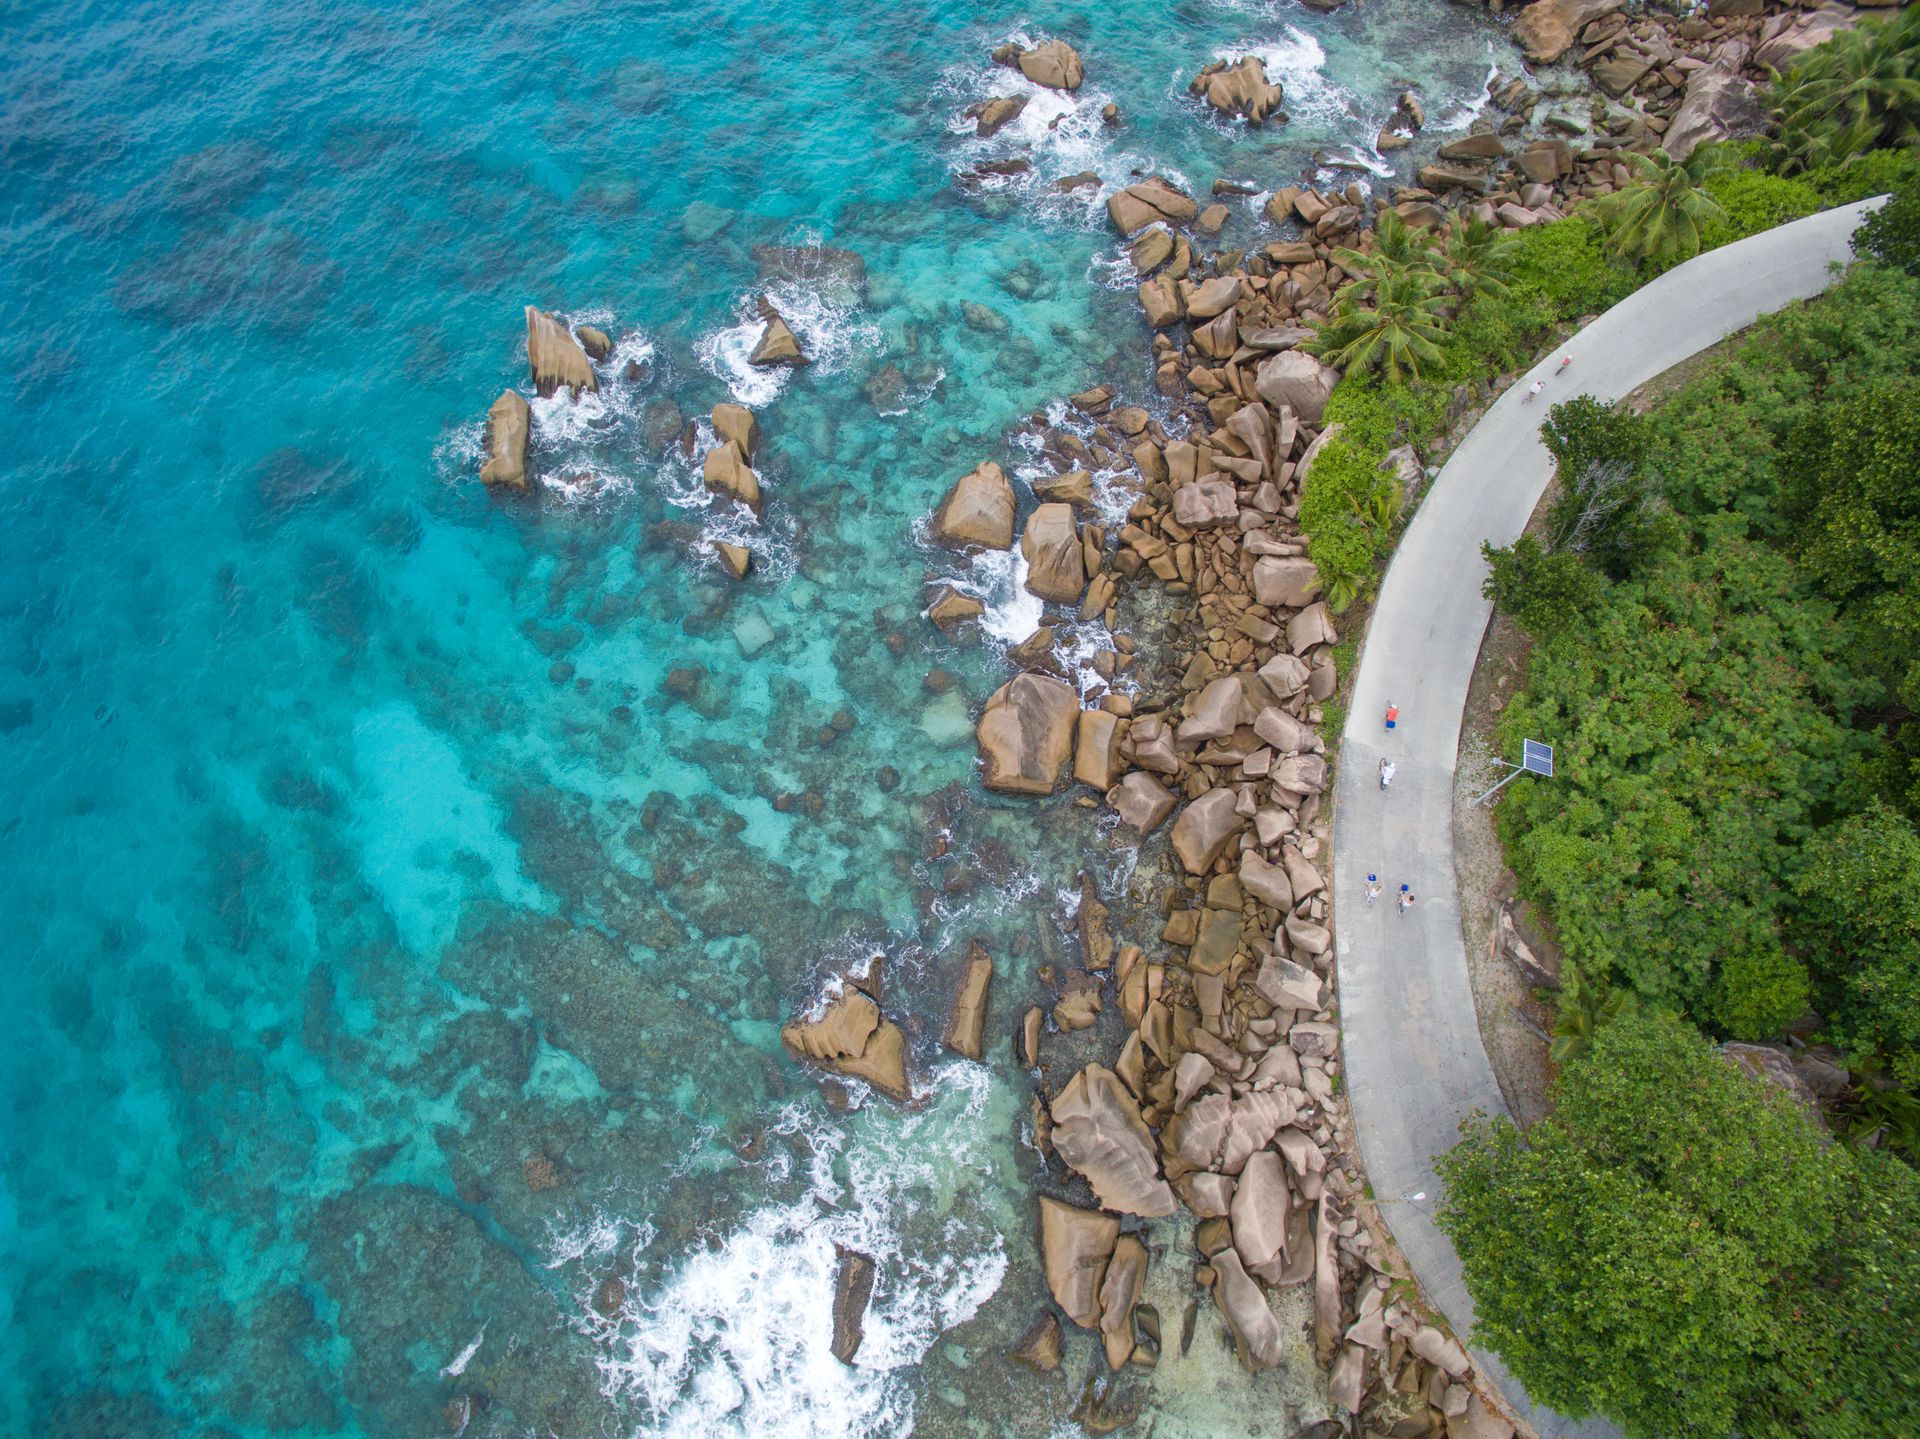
[(1878, 172), (1860, 929), (1338, 503), (1701, 727), (1380, 416), (1584, 431), (1858, 92), (1891, 234), (1678, 1247), (1755, 200), (1566, 265), (1547, 593)]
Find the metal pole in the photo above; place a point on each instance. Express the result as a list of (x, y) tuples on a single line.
[(1517, 772)]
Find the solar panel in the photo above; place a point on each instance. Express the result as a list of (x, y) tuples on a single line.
[(1537, 757)]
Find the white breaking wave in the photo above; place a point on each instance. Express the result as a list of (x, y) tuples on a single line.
[(1461, 111), (773, 537), (737, 1341), (829, 328), (581, 451), (465, 1357), (1314, 99), (1059, 133), (998, 579)]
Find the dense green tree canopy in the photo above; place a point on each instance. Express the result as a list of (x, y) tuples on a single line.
[(1891, 234), (1859, 922), (1700, 728), (1678, 1247)]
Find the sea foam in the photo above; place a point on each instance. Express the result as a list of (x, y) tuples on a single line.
[(737, 1338)]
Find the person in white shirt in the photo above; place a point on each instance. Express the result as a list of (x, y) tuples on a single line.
[(1387, 771)]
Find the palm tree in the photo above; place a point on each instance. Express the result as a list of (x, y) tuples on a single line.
[(1399, 333), (1661, 215), (1585, 1005), (1479, 259), (1857, 92), (1398, 248)]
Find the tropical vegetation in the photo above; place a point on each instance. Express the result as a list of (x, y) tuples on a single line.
[(1845, 130), (1680, 1248), (1665, 212), (1857, 93), (1722, 611), (1723, 602)]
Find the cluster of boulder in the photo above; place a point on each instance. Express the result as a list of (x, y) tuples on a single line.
[(1677, 80), (1054, 65), (850, 1037), (556, 358), (727, 470), (1224, 1095), (559, 358)]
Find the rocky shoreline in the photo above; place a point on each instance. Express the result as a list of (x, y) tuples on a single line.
[(1223, 1096), (1191, 1059)]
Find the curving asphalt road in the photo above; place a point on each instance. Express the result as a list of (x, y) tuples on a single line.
[(1414, 1062)]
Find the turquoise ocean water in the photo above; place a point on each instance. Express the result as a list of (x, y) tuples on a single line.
[(403, 889)]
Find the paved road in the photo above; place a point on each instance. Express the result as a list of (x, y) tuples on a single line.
[(1415, 1065)]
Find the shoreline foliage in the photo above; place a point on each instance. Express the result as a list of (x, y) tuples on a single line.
[(1679, 1247)]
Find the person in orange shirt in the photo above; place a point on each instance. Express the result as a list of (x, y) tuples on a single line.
[(1393, 715)]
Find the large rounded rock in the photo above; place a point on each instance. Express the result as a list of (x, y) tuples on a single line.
[(1096, 749), (1055, 64), (1039, 1348), (1098, 1131), (1245, 1309), (1297, 380), (967, 1018), (1265, 882), (1056, 567), (736, 423), (1285, 581), (1546, 29), (998, 113), (1261, 1210), (1241, 89), (509, 422), (1483, 145), (1208, 502), (1026, 734), (1151, 201), (594, 340), (727, 472), (1119, 1293), (778, 344), (555, 357), (1204, 828), (851, 1037), (852, 1290), (1141, 801), (1211, 297), (1311, 626), (1807, 30), (1720, 104), (978, 510), (1075, 1247)]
